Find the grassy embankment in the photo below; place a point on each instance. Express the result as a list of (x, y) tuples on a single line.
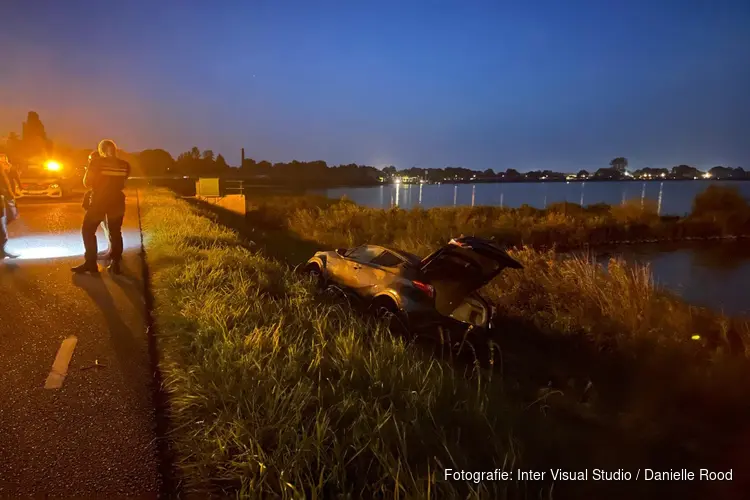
[(273, 391)]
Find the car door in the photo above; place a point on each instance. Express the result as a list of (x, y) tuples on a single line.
[(354, 261), (379, 273)]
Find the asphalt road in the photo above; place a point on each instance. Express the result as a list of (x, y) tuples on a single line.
[(94, 436)]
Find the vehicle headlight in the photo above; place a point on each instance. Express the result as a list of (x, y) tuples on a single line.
[(54, 186)]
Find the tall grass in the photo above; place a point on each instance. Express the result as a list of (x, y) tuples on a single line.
[(611, 305), (275, 394)]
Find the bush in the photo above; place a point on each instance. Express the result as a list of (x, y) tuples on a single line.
[(719, 200), (724, 208)]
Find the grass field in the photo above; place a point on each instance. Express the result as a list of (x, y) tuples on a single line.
[(275, 392)]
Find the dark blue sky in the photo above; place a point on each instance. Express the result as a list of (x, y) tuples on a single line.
[(482, 84)]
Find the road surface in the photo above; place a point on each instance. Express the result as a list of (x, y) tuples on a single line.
[(94, 435)]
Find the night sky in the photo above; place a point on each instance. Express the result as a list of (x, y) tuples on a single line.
[(481, 84)]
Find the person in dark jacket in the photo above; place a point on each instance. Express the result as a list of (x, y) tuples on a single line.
[(106, 177), (104, 255), (6, 194)]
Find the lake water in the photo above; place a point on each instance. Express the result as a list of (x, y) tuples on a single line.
[(676, 196), (712, 274)]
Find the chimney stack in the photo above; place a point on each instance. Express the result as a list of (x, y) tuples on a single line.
[(243, 158)]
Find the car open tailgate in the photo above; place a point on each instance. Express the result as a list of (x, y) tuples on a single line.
[(462, 267)]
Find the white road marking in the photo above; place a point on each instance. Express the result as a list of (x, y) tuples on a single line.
[(60, 366)]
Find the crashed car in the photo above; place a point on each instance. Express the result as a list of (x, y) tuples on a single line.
[(442, 286)]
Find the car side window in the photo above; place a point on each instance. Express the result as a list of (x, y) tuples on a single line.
[(387, 259), (364, 253)]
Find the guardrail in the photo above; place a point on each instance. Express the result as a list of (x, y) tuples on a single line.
[(187, 185), (233, 187)]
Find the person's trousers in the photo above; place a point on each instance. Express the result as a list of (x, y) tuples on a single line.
[(91, 222), (105, 226)]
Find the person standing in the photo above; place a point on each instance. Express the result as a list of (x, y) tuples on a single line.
[(105, 177), (6, 194), (104, 255), (12, 173), (15, 179)]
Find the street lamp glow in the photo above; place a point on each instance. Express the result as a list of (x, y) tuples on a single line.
[(707, 175)]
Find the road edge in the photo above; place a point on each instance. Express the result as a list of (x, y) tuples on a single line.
[(169, 486)]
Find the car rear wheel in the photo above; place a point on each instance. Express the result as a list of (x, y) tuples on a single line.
[(387, 310)]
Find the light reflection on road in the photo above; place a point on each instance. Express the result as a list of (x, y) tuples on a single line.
[(60, 245)]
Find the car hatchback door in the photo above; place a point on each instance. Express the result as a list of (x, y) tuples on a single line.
[(462, 267)]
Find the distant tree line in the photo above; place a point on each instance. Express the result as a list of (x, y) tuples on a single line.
[(33, 143)]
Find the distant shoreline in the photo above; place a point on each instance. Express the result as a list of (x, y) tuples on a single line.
[(538, 181), (492, 181), (266, 183)]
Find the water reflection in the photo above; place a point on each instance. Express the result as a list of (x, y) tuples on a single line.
[(725, 256), (661, 191), (643, 195)]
